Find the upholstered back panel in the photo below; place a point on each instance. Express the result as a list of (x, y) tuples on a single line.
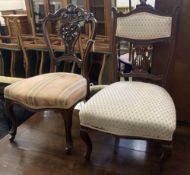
[(143, 26)]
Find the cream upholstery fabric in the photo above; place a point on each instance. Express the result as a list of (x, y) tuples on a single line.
[(143, 26), (131, 109), (52, 90)]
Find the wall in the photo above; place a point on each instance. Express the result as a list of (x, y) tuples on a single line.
[(179, 79)]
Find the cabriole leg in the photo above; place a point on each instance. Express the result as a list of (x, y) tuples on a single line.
[(67, 116), (85, 137), (13, 119)]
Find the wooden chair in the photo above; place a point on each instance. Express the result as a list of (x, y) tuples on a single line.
[(58, 91), (136, 109)]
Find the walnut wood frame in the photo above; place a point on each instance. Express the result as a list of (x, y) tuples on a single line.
[(71, 17), (149, 9), (166, 145)]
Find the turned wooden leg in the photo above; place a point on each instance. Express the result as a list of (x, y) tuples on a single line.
[(116, 145), (166, 152), (12, 117), (67, 116), (85, 137)]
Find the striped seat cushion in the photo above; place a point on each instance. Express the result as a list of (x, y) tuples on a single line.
[(51, 90)]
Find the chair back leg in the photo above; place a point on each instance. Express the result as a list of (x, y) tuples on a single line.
[(85, 137), (10, 113), (166, 153)]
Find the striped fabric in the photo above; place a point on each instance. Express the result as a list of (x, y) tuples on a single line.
[(52, 90)]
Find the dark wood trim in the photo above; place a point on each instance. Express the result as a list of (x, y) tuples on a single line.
[(144, 49), (70, 19), (165, 145), (143, 45), (66, 114), (85, 137)]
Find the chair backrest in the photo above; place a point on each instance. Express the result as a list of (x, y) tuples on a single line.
[(143, 27), (69, 23)]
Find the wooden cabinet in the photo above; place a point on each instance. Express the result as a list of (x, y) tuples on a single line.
[(102, 12), (16, 22), (38, 9), (16, 19), (15, 25)]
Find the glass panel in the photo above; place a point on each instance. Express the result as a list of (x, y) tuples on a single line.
[(123, 5), (135, 2), (79, 3), (39, 13), (55, 5), (97, 8)]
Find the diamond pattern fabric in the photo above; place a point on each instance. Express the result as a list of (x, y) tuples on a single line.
[(131, 109), (144, 26)]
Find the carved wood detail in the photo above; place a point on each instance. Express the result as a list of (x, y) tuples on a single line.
[(141, 58), (69, 21)]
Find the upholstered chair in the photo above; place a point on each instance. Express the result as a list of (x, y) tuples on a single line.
[(58, 91), (140, 108)]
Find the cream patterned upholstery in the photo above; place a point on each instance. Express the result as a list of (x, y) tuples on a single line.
[(143, 26), (51, 90), (131, 109)]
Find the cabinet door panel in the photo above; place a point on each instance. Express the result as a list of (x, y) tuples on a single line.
[(79, 3), (39, 13), (97, 7)]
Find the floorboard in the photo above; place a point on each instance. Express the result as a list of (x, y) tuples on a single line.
[(39, 150)]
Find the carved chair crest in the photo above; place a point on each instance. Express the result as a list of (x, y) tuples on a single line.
[(70, 22)]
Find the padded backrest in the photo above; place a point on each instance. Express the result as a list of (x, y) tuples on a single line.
[(144, 26)]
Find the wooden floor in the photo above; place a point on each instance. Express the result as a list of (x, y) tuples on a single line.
[(39, 150)]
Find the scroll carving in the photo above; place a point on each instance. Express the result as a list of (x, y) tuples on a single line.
[(141, 58), (71, 23)]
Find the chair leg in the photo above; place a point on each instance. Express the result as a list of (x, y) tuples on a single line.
[(85, 137), (166, 152), (116, 145), (13, 119), (67, 116)]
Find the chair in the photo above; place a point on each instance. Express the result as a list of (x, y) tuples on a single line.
[(142, 108), (58, 91)]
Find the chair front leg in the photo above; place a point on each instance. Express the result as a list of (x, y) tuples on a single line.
[(166, 152), (85, 137), (67, 116), (10, 113)]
